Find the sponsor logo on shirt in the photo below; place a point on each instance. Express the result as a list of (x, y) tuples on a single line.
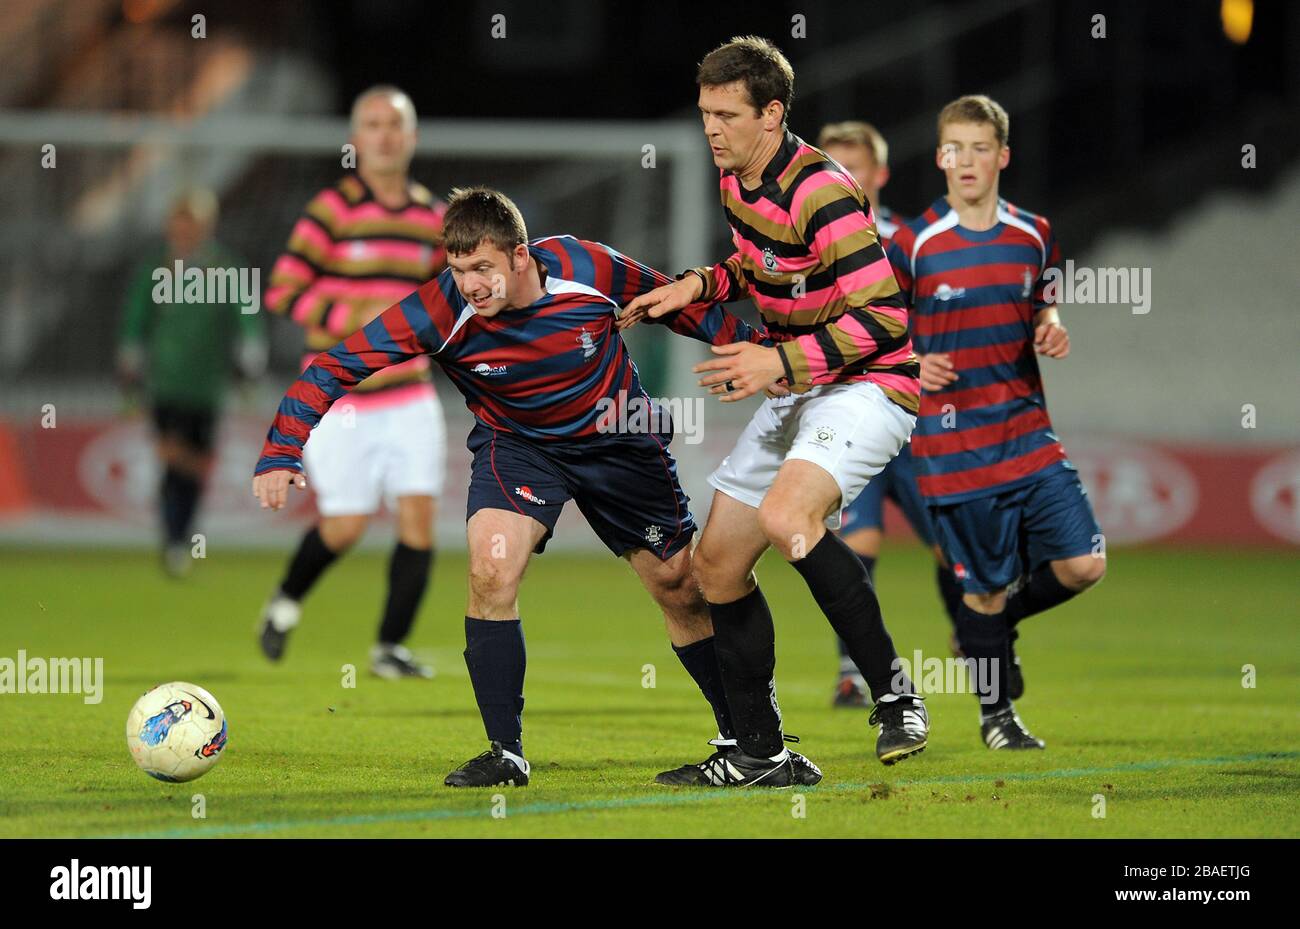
[(946, 292), (483, 369)]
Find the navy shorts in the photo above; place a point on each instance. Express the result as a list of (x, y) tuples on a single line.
[(625, 485), (898, 483), (991, 541)]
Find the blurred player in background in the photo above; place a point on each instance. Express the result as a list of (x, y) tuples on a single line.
[(359, 247), (1009, 511), (862, 151), (181, 356), (525, 330), (808, 254)]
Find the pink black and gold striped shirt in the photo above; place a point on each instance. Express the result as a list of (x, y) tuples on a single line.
[(349, 259), (809, 255)]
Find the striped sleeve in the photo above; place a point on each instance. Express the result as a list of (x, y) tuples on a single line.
[(404, 331), (900, 261), (724, 281), (622, 279), (294, 287), (1051, 259), (830, 219)]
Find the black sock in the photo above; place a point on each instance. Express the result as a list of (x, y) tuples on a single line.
[(408, 574), (848, 668), (745, 642), (700, 659), (950, 591), (180, 498), (496, 659), (308, 564), (984, 639), (841, 587), (1041, 592)]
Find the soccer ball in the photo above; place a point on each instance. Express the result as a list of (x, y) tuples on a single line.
[(176, 732)]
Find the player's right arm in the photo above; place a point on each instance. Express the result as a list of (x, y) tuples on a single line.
[(420, 324), (698, 287)]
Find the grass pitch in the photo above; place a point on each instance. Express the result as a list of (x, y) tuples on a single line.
[(1137, 688)]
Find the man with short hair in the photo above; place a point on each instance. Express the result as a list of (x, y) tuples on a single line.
[(359, 246), (180, 356), (525, 331), (862, 151), (1008, 508), (810, 257)]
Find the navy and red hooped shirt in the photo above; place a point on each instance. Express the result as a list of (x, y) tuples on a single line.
[(973, 295), (539, 372)]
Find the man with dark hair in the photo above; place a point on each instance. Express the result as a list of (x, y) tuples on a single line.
[(809, 256), (525, 331)]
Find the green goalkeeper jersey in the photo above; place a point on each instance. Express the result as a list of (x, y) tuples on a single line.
[(184, 339)]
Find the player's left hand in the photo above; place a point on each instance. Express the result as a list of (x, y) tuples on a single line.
[(1051, 339), (742, 370)]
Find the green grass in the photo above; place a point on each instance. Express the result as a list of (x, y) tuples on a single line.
[(1137, 688)]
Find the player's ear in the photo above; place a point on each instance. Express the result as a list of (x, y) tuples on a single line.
[(1004, 157), (773, 114), (882, 176)]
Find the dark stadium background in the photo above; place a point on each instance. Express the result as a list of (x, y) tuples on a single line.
[(1132, 145)]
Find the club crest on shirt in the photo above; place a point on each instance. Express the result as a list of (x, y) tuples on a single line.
[(588, 346), (1029, 284), (769, 260)]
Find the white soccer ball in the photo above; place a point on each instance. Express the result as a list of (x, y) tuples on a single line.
[(176, 732)]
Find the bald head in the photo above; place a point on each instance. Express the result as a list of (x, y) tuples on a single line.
[(383, 130)]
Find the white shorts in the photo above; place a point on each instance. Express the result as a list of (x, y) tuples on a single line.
[(849, 430), (364, 453)]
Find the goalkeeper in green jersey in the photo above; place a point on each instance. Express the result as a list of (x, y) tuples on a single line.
[(187, 325)]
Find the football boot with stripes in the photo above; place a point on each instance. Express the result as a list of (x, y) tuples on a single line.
[(904, 728), (1005, 730)]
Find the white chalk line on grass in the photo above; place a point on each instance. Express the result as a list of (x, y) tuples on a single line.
[(671, 797)]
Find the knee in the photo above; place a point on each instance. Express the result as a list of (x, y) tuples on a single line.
[(712, 573), (790, 533), (675, 588), (340, 533), (986, 604), (865, 542), (1078, 574), (493, 583), (416, 535)]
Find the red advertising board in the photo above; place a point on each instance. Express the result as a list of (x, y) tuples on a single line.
[(1142, 492)]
